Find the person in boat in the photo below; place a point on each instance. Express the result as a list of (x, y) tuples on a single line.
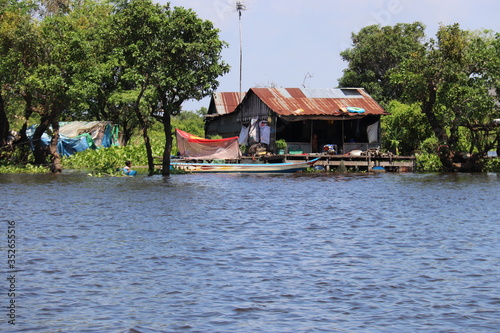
[(127, 169)]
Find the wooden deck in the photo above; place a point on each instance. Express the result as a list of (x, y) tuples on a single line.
[(370, 163), (359, 163)]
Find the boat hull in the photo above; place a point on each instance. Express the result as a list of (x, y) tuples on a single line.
[(243, 168)]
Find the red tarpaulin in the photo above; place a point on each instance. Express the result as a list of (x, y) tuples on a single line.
[(191, 146)]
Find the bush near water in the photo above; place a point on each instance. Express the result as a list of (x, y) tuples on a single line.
[(442, 89), (107, 160)]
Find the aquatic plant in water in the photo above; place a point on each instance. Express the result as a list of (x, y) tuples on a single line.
[(28, 168)]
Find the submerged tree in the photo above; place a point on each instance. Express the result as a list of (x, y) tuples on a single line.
[(192, 64), (18, 48), (456, 80), (47, 53), (96, 60), (172, 56), (66, 57)]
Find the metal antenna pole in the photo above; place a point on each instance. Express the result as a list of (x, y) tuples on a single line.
[(240, 7)]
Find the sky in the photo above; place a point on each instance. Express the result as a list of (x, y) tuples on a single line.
[(297, 43)]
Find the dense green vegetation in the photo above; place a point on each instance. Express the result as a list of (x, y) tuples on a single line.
[(108, 160), (132, 62), (445, 89), (376, 51), (26, 168)]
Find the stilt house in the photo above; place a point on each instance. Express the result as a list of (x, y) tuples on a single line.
[(220, 118), (307, 119)]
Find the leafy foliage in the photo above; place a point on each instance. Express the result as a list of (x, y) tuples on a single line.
[(405, 128), (134, 62), (426, 162), (281, 144), (456, 81), (108, 159), (105, 161), (376, 50), (169, 56), (189, 122), (122, 61), (492, 165), (27, 168)]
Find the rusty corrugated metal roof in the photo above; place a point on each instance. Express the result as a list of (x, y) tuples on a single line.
[(318, 102), (226, 102)]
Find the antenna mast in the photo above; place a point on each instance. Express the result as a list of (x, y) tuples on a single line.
[(240, 6), (307, 76)]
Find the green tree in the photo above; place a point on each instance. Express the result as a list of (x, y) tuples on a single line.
[(18, 44), (90, 60), (191, 122), (47, 51), (456, 80), (138, 25), (101, 92), (375, 51), (64, 58), (59, 51), (172, 56), (405, 128), (195, 54)]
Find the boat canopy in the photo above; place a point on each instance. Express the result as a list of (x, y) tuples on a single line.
[(194, 147)]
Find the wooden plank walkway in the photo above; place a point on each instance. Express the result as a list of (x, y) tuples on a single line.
[(368, 163), (362, 163)]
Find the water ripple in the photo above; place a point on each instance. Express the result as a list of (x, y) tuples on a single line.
[(257, 253)]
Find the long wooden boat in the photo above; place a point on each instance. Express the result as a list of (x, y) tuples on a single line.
[(243, 167)]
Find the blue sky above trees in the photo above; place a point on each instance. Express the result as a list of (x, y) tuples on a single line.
[(290, 43)]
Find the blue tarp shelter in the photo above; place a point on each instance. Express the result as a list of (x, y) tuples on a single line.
[(78, 136)]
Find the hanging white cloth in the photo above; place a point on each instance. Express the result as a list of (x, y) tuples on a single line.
[(243, 138), (372, 132), (265, 132), (253, 132)]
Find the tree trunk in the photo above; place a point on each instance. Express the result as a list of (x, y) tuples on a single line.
[(145, 136), (474, 163), (149, 151), (55, 165), (127, 132), (144, 126), (4, 124), (166, 120), (39, 151), (498, 145), (23, 142), (444, 151), (126, 125)]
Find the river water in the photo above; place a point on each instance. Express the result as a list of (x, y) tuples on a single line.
[(253, 253)]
